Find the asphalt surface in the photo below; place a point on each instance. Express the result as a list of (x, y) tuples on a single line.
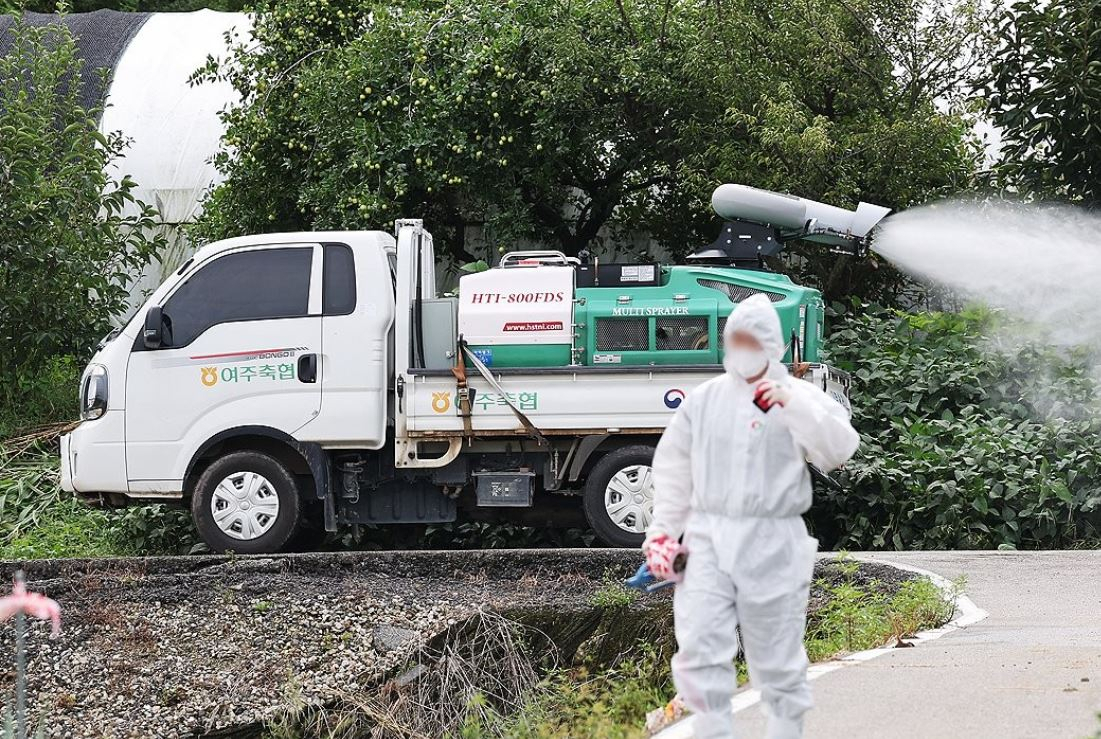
[(1031, 670)]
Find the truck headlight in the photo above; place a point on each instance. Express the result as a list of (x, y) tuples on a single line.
[(93, 393)]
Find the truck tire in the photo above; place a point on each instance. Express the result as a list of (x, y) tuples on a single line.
[(246, 502), (619, 496)]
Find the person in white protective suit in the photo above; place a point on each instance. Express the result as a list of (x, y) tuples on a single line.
[(733, 479)]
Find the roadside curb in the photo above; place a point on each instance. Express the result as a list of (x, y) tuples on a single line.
[(967, 614)]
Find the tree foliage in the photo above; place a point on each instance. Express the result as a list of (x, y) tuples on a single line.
[(144, 6), (71, 237), (963, 445), (574, 124), (1044, 94)]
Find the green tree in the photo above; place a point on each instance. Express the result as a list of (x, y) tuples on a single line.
[(70, 235), (1044, 94), (571, 123), (862, 101)]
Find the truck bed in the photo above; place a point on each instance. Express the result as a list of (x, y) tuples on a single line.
[(570, 400)]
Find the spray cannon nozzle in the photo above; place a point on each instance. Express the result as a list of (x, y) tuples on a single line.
[(759, 222)]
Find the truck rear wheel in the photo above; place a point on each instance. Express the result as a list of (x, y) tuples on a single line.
[(246, 502), (619, 496)]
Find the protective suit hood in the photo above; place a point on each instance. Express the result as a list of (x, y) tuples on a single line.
[(756, 317)]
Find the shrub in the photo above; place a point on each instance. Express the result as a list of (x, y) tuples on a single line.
[(39, 394), (964, 443), (71, 236)]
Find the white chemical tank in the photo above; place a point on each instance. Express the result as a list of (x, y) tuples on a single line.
[(519, 316)]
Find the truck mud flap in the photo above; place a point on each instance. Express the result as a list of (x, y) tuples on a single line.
[(400, 501)]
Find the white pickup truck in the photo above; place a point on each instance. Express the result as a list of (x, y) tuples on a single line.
[(284, 384)]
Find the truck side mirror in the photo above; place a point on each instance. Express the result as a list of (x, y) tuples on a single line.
[(154, 328)]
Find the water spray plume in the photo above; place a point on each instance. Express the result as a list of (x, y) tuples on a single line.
[(1037, 263)]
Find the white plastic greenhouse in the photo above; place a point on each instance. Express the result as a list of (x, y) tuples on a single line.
[(173, 126)]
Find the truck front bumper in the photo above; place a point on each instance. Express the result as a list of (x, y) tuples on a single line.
[(93, 456)]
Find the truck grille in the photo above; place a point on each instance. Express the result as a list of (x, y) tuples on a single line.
[(738, 293), (622, 335)]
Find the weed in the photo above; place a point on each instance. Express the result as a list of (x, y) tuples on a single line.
[(858, 617), (477, 676), (610, 703), (171, 696), (919, 604), (846, 565), (262, 606), (613, 703), (613, 594)]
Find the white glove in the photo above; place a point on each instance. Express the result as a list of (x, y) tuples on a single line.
[(769, 393)]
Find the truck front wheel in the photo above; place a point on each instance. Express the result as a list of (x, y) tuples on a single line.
[(246, 502), (619, 496)]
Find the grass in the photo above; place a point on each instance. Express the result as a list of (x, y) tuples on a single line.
[(67, 528), (613, 702), (856, 617), (613, 593), (38, 520)]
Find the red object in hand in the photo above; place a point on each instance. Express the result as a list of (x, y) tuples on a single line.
[(769, 393), (759, 399), (665, 557)]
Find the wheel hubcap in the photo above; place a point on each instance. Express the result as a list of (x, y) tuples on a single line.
[(245, 505), (629, 498)]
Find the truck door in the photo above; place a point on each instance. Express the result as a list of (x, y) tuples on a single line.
[(241, 338), (358, 311)]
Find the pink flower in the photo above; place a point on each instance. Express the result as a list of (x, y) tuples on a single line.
[(32, 604)]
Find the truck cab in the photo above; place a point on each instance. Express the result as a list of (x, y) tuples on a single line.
[(283, 384)]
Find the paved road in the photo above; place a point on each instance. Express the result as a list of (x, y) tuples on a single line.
[(1031, 670)]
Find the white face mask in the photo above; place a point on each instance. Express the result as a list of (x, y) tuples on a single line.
[(745, 363)]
